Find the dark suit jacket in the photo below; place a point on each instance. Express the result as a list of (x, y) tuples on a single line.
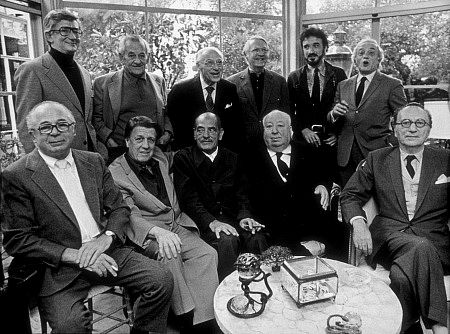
[(39, 222), (107, 102), (275, 96), (368, 123), (302, 109), (42, 79), (286, 209), (209, 191), (186, 101), (380, 176)]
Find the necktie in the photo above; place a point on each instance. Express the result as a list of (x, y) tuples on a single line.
[(409, 167), (209, 100), (360, 91), (282, 166), (315, 95)]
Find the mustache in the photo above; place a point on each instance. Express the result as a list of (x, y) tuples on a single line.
[(313, 55)]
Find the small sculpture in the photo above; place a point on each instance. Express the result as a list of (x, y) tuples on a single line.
[(275, 256), (351, 324)]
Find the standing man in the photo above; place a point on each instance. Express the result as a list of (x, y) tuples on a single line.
[(207, 91), (311, 95), (363, 107), (121, 95), (260, 90), (160, 228), (211, 187), (56, 76), (409, 236), (63, 209)]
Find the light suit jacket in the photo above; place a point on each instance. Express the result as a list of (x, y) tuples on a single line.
[(147, 211), (107, 102), (41, 79)]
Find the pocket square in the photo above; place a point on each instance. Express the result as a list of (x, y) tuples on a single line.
[(228, 105), (442, 179)]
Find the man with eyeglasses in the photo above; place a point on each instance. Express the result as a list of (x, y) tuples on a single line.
[(207, 91), (129, 92), (161, 229), (410, 236), (211, 188), (260, 90), (56, 76), (363, 106), (63, 210)]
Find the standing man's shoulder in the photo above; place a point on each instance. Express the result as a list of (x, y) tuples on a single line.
[(158, 78), (337, 71), (389, 79), (237, 77), (226, 84), (275, 76), (184, 84), (108, 77)]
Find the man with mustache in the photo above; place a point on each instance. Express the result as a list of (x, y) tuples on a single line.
[(207, 91), (56, 76), (363, 107), (130, 92), (211, 188), (311, 95)]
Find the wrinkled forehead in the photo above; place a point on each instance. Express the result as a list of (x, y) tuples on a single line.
[(66, 23), (276, 118), (413, 113), (135, 46), (211, 54), (368, 45)]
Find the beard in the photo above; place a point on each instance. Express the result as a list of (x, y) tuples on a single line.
[(316, 61)]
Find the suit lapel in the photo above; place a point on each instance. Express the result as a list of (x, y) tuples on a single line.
[(373, 86), (87, 89), (247, 86), (115, 93), (159, 156), (395, 170), (267, 90), (57, 76), (156, 91), (352, 91), (428, 174), (45, 180)]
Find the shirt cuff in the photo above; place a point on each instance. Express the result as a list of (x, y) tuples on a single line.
[(356, 217)]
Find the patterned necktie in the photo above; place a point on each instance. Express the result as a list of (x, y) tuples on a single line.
[(282, 166), (409, 167), (360, 91), (315, 95), (209, 100)]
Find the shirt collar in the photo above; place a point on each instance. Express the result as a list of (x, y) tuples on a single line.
[(50, 161), (213, 155), (131, 78), (418, 155), (204, 84), (251, 72), (287, 151), (369, 77), (321, 68)]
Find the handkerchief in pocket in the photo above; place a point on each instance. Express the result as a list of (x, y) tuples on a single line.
[(228, 105), (442, 179)]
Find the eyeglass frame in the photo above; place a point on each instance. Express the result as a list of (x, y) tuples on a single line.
[(411, 122), (78, 31), (260, 50), (55, 126), (210, 63), (210, 131)]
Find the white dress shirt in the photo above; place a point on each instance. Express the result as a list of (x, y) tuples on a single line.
[(369, 78), (213, 155), (286, 157), (205, 92), (411, 185)]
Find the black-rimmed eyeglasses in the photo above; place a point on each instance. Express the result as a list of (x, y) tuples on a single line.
[(406, 123), (65, 31), (45, 129)]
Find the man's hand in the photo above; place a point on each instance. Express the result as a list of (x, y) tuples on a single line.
[(111, 143), (217, 227), (331, 140), (324, 197), (90, 251), (250, 225), (340, 109), (169, 243), (104, 264), (164, 138), (361, 236), (311, 137)]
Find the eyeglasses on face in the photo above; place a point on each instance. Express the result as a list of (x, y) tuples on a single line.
[(210, 63), (202, 131), (47, 128), (406, 123), (65, 31), (260, 50)]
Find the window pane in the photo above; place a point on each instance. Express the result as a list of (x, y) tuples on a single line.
[(270, 7), (235, 34), (177, 4), (115, 2), (16, 38), (398, 2), (330, 6)]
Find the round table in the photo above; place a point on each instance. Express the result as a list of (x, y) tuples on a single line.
[(358, 291)]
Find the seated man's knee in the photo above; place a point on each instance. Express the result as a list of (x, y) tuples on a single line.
[(159, 280), (228, 241), (398, 277), (78, 321)]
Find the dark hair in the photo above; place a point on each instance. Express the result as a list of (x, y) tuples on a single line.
[(314, 32), (143, 121), (411, 104)]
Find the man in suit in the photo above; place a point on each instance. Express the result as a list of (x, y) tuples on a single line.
[(288, 191), (62, 209), (211, 187), (56, 76), (207, 91), (160, 228), (409, 236), (121, 95), (311, 95), (260, 90), (363, 107)]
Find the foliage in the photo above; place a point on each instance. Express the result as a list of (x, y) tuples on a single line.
[(276, 255), (10, 150)]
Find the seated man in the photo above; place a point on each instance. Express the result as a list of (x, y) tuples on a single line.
[(210, 185), (409, 236), (62, 208), (158, 225), (288, 193)]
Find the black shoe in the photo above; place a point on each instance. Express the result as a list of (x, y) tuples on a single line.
[(414, 329)]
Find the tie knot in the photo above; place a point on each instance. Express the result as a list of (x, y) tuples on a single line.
[(316, 71), (61, 164), (209, 89), (410, 158), (363, 80), (279, 155)]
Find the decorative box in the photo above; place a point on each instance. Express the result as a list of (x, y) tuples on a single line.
[(309, 279)]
